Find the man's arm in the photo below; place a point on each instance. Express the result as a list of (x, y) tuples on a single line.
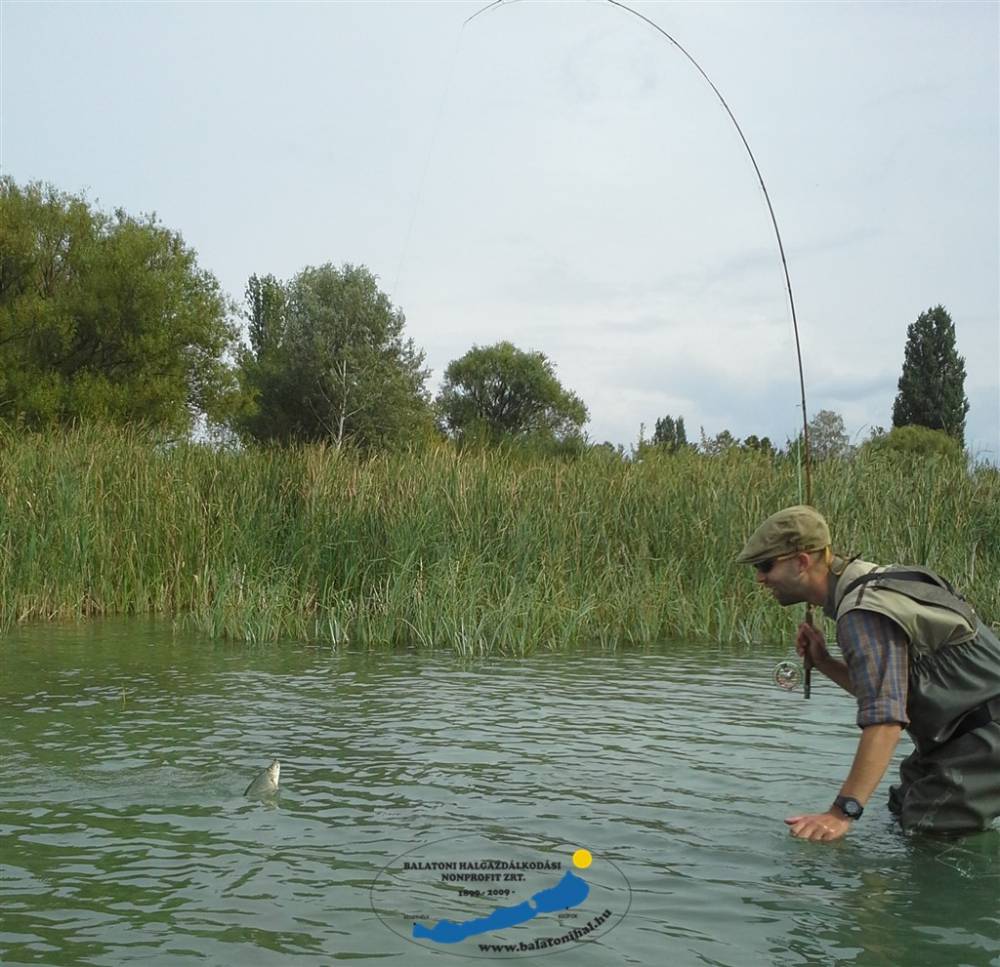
[(878, 742), (837, 672), (876, 674), (811, 639), (874, 753)]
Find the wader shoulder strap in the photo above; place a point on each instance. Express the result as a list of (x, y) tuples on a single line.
[(903, 574), (921, 585)]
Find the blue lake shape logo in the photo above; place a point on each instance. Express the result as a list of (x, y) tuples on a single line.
[(569, 892)]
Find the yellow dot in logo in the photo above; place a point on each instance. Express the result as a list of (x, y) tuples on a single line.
[(582, 858)]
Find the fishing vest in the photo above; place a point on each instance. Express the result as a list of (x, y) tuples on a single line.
[(953, 658), (928, 609)]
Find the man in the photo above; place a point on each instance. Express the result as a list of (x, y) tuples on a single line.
[(915, 657)]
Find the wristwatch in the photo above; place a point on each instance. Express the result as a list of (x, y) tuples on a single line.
[(849, 806)]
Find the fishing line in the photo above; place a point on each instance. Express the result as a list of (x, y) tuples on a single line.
[(427, 163), (804, 454), (430, 147), (806, 458)]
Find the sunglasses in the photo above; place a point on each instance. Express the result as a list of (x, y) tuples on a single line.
[(764, 567)]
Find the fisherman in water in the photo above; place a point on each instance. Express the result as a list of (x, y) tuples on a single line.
[(916, 656)]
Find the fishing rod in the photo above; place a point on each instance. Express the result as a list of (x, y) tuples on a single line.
[(805, 454)]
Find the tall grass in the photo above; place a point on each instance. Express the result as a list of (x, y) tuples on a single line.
[(480, 551)]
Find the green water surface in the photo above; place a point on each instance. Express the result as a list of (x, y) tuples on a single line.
[(125, 837)]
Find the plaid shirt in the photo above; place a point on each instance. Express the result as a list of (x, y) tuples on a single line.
[(875, 649)]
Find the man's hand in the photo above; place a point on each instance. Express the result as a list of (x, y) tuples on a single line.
[(810, 639), (819, 826)]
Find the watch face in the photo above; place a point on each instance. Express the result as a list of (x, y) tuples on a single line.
[(851, 807)]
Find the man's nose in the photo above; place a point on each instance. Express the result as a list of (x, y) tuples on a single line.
[(760, 577)]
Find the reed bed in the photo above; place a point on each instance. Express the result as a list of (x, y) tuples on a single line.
[(483, 552)]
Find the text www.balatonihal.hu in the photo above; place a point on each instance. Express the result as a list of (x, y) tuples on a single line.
[(543, 942)]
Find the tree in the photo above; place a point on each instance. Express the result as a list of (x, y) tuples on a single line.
[(500, 391), (719, 444), (759, 444), (827, 437), (265, 313), (670, 435), (328, 361), (932, 384), (106, 318), (266, 371), (828, 440)]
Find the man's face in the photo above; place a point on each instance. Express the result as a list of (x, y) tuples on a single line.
[(784, 577)]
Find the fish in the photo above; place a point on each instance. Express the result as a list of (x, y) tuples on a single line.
[(266, 784)]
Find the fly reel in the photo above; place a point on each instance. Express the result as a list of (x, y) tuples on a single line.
[(788, 675)]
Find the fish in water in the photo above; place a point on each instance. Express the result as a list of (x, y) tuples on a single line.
[(266, 784)]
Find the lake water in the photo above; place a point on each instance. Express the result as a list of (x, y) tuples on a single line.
[(411, 783)]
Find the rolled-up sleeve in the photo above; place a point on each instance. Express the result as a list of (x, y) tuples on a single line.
[(875, 650)]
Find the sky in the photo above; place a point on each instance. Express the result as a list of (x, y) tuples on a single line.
[(559, 175)]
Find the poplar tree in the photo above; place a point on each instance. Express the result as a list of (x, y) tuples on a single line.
[(670, 434), (932, 384)]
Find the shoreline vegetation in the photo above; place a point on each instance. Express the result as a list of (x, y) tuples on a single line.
[(484, 551)]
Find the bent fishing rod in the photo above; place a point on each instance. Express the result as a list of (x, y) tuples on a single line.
[(805, 450)]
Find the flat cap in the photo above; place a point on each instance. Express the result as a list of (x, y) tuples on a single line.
[(798, 528)]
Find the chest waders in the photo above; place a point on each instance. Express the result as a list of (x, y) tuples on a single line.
[(950, 783)]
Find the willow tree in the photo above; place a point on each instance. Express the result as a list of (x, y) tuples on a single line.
[(106, 318), (501, 392)]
